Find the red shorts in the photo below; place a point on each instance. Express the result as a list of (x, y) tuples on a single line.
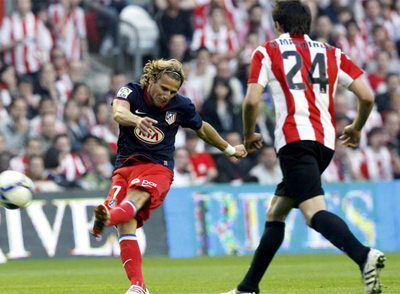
[(147, 176)]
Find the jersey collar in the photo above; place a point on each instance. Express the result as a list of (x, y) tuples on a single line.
[(287, 36), (146, 97)]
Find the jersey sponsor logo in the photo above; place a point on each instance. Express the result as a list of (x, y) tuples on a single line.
[(124, 92), (147, 183), (151, 137), (170, 117)]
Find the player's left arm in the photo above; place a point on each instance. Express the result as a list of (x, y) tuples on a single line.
[(209, 135)]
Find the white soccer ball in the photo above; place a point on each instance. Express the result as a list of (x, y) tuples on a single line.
[(16, 190)]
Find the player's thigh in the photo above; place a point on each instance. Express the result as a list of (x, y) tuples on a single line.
[(311, 206), (301, 172), (279, 208), (117, 191), (138, 196)]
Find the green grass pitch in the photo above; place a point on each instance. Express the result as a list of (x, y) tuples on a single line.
[(318, 274)]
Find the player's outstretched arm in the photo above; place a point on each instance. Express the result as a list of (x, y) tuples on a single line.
[(352, 133), (251, 105), (209, 135), (123, 116)]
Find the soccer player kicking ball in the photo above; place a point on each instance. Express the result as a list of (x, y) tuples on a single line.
[(149, 115), (302, 75)]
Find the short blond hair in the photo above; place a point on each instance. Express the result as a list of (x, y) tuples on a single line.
[(154, 69)]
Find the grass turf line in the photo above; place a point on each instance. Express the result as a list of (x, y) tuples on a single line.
[(294, 274)]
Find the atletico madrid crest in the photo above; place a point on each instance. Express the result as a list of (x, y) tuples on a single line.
[(170, 117)]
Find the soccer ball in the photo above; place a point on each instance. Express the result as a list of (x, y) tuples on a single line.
[(15, 190)]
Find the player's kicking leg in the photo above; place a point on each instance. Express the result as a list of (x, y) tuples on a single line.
[(334, 229), (123, 216), (270, 242)]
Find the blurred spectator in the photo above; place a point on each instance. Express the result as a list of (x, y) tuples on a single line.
[(89, 144), (268, 171), (230, 169), (332, 10), (33, 147), (392, 130), (104, 125), (219, 110), (382, 100), (216, 37), (376, 163), (178, 48), (25, 90), (256, 24), (341, 168), (117, 80), (173, 20), (203, 164), (46, 85), (48, 130), (76, 131), (25, 40), (353, 44), (373, 14), (63, 82), (224, 71), (36, 172), (47, 106), (99, 177), (324, 30), (69, 28), (183, 170), (8, 85), (71, 166), (5, 160), (201, 72), (16, 129), (377, 77), (77, 71), (85, 101)]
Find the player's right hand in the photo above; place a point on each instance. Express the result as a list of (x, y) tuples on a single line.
[(253, 142), (240, 151), (146, 124), (350, 136)]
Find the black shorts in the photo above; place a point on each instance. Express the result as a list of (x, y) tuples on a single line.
[(302, 164)]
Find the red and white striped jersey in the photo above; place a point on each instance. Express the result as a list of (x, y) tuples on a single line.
[(35, 42), (223, 41), (302, 75), (69, 28)]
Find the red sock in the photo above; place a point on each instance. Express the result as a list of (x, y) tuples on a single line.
[(131, 258), (122, 213)]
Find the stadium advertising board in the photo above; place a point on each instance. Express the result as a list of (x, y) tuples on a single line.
[(227, 220), (53, 226)]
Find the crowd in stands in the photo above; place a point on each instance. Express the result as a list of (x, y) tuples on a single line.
[(59, 131)]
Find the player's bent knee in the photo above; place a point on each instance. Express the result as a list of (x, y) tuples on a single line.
[(274, 215), (308, 215), (139, 197), (128, 227)]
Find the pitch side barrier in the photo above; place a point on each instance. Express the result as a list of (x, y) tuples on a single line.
[(58, 224), (229, 220), (207, 220)]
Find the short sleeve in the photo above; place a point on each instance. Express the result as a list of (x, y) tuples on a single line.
[(348, 71), (258, 67), (191, 119), (126, 93)]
